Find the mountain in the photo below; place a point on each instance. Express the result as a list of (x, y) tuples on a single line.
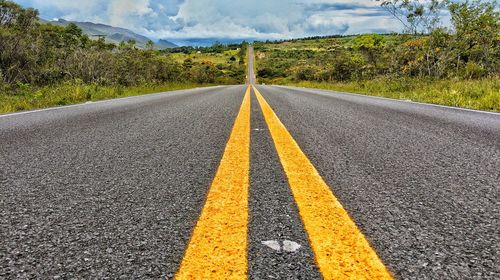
[(207, 42), (164, 44), (114, 34)]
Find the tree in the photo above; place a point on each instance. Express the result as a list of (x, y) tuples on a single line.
[(205, 72), (371, 45), (477, 29), (417, 16), (13, 15), (131, 43), (150, 45), (218, 47), (18, 60), (73, 36)]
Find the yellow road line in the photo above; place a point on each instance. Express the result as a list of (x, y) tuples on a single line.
[(341, 250), (218, 246)]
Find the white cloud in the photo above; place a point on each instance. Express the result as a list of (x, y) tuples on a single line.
[(258, 19), (120, 11)]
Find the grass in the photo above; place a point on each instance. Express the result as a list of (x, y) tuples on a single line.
[(215, 58), (316, 45), (472, 94), (27, 98), (285, 58)]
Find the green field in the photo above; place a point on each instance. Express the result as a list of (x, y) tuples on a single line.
[(215, 58), (393, 66)]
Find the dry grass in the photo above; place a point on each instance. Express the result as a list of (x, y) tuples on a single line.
[(28, 98), (473, 94)]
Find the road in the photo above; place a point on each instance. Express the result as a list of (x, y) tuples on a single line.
[(251, 66), (263, 182)]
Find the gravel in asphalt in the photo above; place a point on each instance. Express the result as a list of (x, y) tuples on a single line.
[(111, 189), (273, 213), (422, 182)]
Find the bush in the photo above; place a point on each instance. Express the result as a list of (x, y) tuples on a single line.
[(469, 50), (305, 74), (44, 54)]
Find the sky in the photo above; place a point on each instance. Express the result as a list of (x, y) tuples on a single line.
[(179, 20)]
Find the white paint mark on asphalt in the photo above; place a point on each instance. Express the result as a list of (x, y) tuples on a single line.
[(291, 246), (273, 244), (288, 246)]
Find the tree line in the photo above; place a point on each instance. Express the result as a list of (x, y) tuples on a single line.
[(468, 49), (33, 52)]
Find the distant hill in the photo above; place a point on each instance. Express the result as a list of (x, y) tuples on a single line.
[(164, 44), (114, 34), (207, 42)]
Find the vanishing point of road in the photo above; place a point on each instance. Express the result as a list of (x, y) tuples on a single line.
[(250, 181)]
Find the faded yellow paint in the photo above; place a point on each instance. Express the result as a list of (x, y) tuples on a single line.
[(218, 246), (341, 250)]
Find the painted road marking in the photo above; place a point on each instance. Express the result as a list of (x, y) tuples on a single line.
[(273, 244), (341, 250), (218, 246), (291, 246), (288, 245)]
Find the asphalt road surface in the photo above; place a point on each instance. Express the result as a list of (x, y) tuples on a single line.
[(115, 189)]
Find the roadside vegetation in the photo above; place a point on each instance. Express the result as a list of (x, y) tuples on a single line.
[(456, 66), (228, 61), (43, 65), (28, 97)]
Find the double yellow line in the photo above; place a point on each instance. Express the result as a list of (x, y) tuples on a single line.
[(218, 246)]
